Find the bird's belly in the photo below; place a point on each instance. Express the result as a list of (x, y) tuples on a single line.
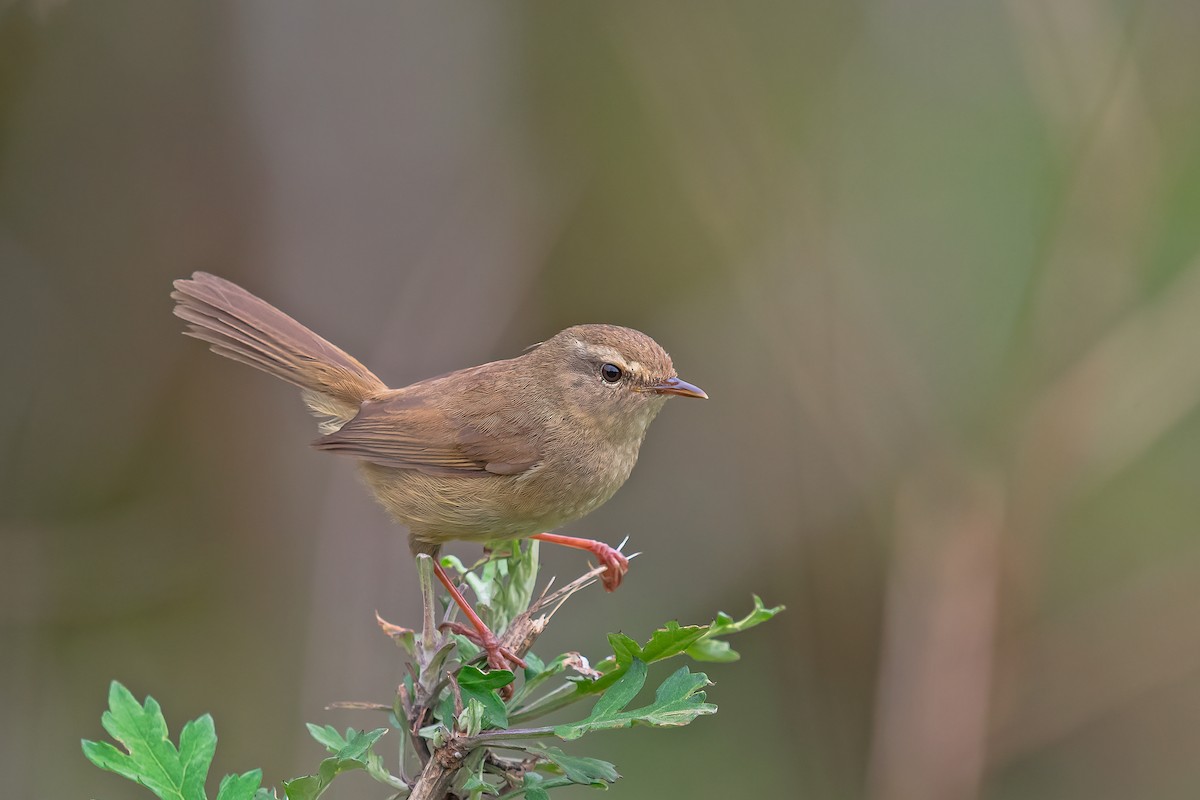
[(441, 508)]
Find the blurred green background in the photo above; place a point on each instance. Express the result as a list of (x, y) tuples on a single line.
[(935, 262)]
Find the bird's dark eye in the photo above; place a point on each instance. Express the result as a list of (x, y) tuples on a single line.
[(611, 373)]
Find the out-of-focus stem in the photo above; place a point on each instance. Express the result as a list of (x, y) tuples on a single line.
[(939, 625), (429, 630)]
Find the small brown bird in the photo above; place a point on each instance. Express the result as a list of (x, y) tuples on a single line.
[(505, 450)]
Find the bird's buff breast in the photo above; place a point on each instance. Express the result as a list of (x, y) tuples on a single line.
[(483, 508)]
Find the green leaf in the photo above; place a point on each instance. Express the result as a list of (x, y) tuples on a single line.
[(516, 591), (485, 582), (311, 787), (503, 584), (484, 587), (328, 736), (669, 640), (623, 691), (151, 759), (241, 787), (444, 710), (536, 674), (474, 678), (351, 755), (724, 624), (578, 769), (532, 784), (454, 563), (470, 721), (712, 650), (481, 686), (672, 640), (359, 743), (677, 701), (476, 787), (431, 664), (467, 650), (378, 771), (437, 734), (534, 665)]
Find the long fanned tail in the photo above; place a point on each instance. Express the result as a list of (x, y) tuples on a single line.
[(240, 326)]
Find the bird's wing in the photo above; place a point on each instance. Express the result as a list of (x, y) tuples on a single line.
[(409, 432)]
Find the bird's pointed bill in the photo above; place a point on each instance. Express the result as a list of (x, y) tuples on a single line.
[(679, 387)]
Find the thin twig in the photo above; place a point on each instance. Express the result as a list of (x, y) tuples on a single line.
[(563, 592), (358, 705), (498, 736)]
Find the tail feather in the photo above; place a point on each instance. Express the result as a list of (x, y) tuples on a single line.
[(244, 328), (214, 326)]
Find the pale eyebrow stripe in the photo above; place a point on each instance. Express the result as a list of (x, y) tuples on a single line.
[(605, 353)]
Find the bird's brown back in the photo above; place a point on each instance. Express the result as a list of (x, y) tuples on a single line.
[(471, 422)]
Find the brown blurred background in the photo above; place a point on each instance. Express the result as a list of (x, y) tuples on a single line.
[(937, 263)]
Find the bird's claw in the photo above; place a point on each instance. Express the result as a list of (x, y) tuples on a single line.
[(615, 565), (498, 656)]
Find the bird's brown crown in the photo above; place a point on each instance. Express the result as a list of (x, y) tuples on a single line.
[(641, 360)]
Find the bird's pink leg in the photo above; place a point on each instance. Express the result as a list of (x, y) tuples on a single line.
[(615, 563), (498, 657)]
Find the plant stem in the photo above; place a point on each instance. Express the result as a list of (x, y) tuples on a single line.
[(429, 630), (494, 737), (561, 697), (440, 770), (552, 783), (434, 781)]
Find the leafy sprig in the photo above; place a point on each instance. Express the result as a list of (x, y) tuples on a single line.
[(461, 728), (152, 760)]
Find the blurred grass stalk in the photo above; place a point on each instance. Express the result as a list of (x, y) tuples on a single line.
[(964, 566)]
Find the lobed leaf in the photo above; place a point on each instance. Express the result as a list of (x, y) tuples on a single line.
[(534, 786), (328, 736), (474, 684), (242, 787), (724, 624), (476, 787), (311, 787), (149, 758), (579, 769), (677, 701), (359, 743), (351, 752), (697, 641)]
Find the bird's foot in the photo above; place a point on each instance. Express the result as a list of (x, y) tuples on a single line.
[(498, 656), (615, 563)]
